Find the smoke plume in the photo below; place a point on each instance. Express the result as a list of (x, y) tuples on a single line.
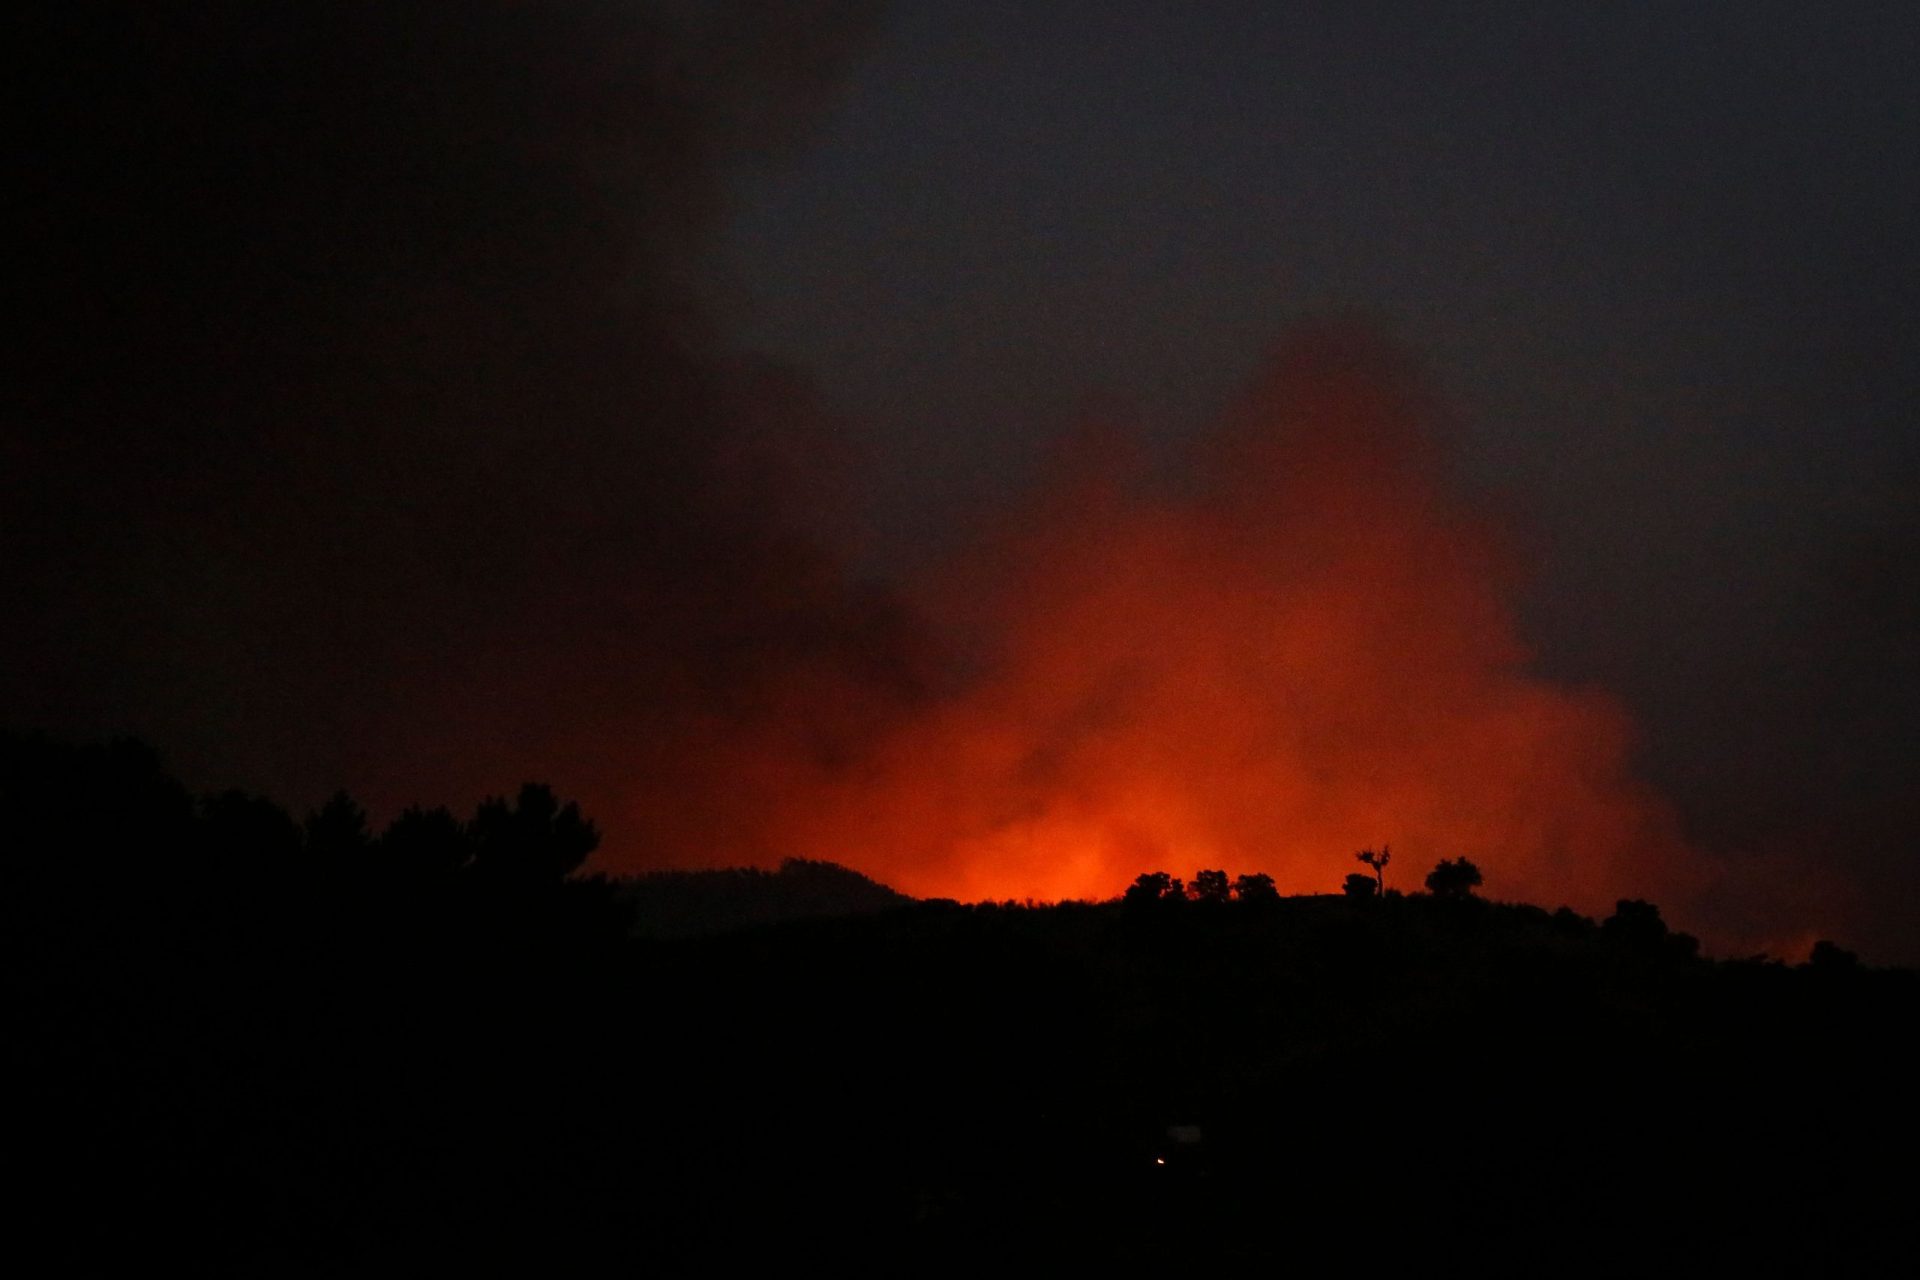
[(377, 431), (1299, 647)]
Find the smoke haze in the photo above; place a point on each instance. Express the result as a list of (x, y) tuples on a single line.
[(379, 428), (1300, 649)]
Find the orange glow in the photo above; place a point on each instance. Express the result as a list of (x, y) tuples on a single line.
[(1305, 651)]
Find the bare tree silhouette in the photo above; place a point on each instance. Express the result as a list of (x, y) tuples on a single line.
[(1378, 861)]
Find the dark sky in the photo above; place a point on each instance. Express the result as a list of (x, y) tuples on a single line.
[(421, 397)]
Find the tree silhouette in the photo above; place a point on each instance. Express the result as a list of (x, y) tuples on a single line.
[(1453, 878), (337, 832), (425, 844), (1570, 923), (1256, 887), (1634, 922), (1378, 861), (533, 840), (1211, 886), (1636, 926), (1154, 887), (1831, 957), (1359, 885), (247, 834)]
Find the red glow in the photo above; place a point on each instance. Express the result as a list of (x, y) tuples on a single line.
[(1308, 651)]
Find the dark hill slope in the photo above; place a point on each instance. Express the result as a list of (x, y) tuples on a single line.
[(1428, 1077), (248, 1044), (681, 904)]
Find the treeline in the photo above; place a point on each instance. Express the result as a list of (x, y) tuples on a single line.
[(109, 815), (245, 1040), (1635, 924)]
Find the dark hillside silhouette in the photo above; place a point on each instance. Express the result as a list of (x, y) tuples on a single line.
[(680, 904), (274, 1046)]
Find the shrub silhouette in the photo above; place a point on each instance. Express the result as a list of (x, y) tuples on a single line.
[(1634, 922), (1830, 957), (1359, 885), (1570, 923), (1453, 878), (1211, 886), (1154, 887), (1256, 887)]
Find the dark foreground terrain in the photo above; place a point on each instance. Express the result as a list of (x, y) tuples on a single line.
[(240, 1043)]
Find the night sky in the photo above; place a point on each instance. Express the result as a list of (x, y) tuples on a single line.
[(914, 435)]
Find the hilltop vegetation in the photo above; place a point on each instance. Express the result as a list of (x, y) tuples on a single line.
[(265, 1044)]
